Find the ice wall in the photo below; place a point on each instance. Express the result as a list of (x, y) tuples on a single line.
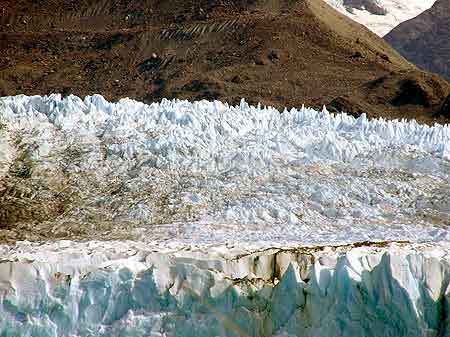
[(378, 290)]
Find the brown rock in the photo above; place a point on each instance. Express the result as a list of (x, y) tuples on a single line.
[(425, 40), (372, 6), (347, 105), (445, 109), (305, 46), (273, 55)]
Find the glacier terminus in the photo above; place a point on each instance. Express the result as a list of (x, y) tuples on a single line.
[(206, 219)]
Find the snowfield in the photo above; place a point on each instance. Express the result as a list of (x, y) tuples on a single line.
[(397, 11), (221, 221)]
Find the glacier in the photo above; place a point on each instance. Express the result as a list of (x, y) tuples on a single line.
[(217, 220), (125, 289)]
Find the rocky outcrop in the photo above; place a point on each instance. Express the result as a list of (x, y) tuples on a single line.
[(346, 105), (445, 110), (408, 91), (372, 6), (424, 39)]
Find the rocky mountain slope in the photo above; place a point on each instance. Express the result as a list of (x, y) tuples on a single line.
[(381, 16), (424, 40), (281, 53)]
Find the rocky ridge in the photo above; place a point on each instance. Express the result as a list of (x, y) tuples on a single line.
[(424, 39)]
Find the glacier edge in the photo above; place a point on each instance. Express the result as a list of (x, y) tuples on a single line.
[(396, 289)]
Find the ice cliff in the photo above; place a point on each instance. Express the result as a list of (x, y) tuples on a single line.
[(123, 289), (220, 221)]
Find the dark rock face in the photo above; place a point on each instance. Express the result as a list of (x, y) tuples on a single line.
[(409, 89), (372, 6), (347, 105), (425, 40), (445, 110), (410, 92)]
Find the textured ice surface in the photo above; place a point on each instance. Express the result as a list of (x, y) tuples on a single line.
[(220, 202), (125, 289), (397, 11), (208, 173)]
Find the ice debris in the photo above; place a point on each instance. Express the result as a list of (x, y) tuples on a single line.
[(226, 198)]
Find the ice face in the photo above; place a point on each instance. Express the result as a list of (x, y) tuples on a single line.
[(123, 289), (208, 173)]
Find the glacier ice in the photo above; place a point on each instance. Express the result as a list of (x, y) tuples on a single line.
[(123, 289), (198, 173), (239, 221)]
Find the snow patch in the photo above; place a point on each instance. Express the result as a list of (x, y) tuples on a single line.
[(397, 11)]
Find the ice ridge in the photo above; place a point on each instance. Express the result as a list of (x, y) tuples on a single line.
[(210, 128)]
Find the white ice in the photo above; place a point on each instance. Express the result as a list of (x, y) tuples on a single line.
[(114, 289), (224, 202), (398, 11), (208, 173)]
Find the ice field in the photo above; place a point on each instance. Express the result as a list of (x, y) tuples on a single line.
[(204, 219)]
